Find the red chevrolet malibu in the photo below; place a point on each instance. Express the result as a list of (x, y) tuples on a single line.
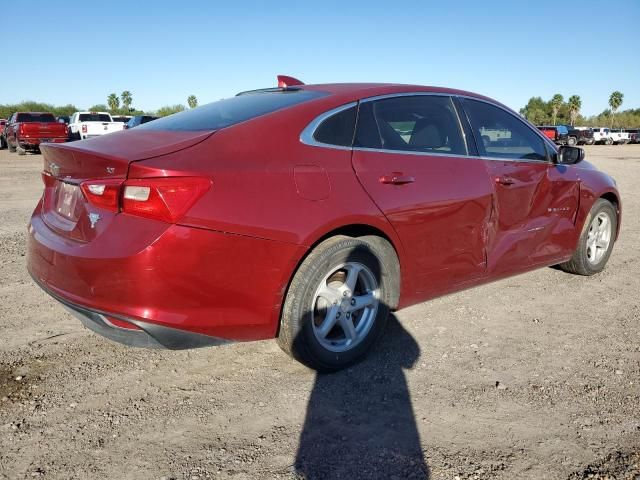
[(307, 213)]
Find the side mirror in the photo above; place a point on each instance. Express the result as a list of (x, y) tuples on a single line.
[(569, 155)]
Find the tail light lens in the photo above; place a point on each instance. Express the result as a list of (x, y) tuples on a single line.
[(166, 199), (103, 193), (84, 129), (21, 129)]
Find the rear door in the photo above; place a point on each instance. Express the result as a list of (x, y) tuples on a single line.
[(412, 158), (535, 200)]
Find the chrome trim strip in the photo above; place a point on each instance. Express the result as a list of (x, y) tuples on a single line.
[(306, 136), (412, 152)]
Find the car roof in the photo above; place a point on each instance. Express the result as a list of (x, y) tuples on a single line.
[(364, 90)]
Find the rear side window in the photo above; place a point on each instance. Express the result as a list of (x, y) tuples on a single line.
[(94, 117), (35, 117), (501, 135), (421, 123), (233, 110), (338, 129)]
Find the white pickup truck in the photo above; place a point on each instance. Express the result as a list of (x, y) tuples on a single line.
[(85, 125), (619, 136)]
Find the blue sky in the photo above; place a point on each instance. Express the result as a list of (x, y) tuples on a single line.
[(163, 51)]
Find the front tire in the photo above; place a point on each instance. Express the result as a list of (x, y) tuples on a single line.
[(338, 302), (596, 240)]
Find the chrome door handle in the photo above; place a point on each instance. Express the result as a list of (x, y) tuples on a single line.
[(397, 179), (505, 180)]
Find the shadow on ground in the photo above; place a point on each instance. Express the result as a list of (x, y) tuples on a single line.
[(360, 422)]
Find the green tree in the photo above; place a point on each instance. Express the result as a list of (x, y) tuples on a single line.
[(127, 99), (192, 101), (536, 111), (170, 110), (556, 102), (615, 100), (99, 108), (113, 101), (575, 104)]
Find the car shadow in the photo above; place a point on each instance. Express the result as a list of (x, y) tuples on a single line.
[(360, 422)]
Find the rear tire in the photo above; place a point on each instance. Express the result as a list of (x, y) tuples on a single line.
[(11, 148), (596, 240), (20, 150), (3, 144), (323, 324)]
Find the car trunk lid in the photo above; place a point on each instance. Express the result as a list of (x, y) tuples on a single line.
[(66, 209)]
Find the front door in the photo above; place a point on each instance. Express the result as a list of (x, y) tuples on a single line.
[(411, 157), (535, 200)]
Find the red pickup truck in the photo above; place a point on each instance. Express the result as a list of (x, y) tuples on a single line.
[(2, 124), (27, 130)]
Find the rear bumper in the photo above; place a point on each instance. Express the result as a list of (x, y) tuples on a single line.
[(34, 143), (149, 335), (166, 278)]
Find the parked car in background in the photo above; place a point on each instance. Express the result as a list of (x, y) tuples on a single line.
[(619, 136), (580, 136), (634, 135), (558, 134), (121, 118), (307, 213), (26, 131), (85, 125), (3, 122), (602, 136), (140, 119)]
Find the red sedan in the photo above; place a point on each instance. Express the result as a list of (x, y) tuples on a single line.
[(306, 213)]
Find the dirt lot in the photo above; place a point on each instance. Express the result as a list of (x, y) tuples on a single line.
[(537, 376)]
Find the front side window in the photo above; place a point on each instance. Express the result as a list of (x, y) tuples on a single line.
[(502, 135), (421, 123)]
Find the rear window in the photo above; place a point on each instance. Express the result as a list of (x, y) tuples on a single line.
[(94, 117), (36, 117), (230, 111)]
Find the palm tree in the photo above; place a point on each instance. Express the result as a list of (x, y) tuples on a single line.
[(615, 100), (126, 99), (192, 101), (556, 103), (575, 104), (113, 101)]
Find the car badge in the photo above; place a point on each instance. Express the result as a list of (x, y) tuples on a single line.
[(93, 218), (55, 169), (110, 170)]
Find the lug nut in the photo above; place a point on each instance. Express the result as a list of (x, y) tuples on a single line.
[(348, 315), (353, 301), (338, 315)]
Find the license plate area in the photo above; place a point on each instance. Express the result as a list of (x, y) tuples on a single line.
[(67, 200)]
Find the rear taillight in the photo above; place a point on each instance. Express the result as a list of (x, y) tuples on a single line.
[(22, 129), (103, 193), (165, 199), (84, 129)]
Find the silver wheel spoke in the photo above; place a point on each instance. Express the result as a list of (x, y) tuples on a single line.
[(352, 276), (361, 301), (348, 327), (331, 295), (329, 321), (598, 238)]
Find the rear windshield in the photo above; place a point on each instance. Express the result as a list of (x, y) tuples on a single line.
[(230, 111), (36, 117), (94, 117)]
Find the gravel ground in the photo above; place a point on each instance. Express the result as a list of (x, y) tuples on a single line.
[(536, 376)]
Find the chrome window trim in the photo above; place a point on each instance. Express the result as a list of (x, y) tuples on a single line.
[(306, 136)]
